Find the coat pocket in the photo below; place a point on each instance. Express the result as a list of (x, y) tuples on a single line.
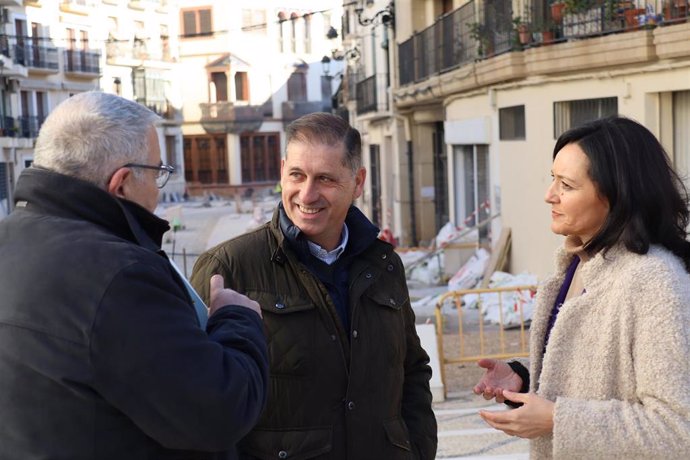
[(397, 433), (294, 444), (386, 297)]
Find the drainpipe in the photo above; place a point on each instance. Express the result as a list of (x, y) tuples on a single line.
[(410, 172)]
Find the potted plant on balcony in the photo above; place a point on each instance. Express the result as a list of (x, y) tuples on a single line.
[(578, 6), (480, 33), (522, 30), (557, 7)]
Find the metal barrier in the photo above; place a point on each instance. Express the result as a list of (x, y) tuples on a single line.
[(503, 352)]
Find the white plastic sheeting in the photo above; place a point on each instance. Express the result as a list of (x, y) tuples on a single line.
[(510, 303)]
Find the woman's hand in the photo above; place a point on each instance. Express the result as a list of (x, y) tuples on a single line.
[(499, 376), (532, 420)]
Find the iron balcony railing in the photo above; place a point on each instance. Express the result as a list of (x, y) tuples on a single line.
[(8, 127), (29, 125), (36, 56), (80, 61), (226, 117), (372, 94), (292, 110), (481, 29)]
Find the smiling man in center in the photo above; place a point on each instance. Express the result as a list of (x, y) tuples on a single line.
[(349, 378)]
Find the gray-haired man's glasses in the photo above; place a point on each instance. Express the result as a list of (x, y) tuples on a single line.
[(163, 175)]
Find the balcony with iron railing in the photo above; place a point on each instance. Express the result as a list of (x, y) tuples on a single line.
[(82, 62), (25, 126), (29, 125), (36, 57), (482, 30), (372, 94), (118, 51), (162, 108), (8, 127), (227, 117)]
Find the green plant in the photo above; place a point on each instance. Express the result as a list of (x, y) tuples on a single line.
[(522, 31), (479, 32), (578, 6)]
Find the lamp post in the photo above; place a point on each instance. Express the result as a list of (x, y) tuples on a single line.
[(326, 64), (386, 16)]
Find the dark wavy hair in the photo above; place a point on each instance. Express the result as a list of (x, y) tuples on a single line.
[(648, 203)]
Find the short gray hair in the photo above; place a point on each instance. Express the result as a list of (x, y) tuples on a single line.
[(91, 134)]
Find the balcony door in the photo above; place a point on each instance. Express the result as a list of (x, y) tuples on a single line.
[(205, 159), (260, 156)]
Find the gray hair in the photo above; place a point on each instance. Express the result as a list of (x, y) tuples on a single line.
[(90, 135)]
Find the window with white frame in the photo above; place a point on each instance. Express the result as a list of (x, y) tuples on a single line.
[(471, 177), (569, 114)]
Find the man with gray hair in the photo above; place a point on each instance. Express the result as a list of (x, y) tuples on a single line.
[(102, 354)]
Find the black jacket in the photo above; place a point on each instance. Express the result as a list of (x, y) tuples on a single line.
[(101, 354), (338, 393)]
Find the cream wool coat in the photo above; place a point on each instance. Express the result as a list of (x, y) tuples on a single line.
[(618, 361)]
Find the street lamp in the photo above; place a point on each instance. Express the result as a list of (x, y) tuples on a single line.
[(326, 63), (386, 16)]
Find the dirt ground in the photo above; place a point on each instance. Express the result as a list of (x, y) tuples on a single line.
[(464, 375)]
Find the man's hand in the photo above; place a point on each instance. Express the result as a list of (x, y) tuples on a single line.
[(532, 420), (221, 297), (498, 377)]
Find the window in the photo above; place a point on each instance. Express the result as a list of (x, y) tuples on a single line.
[(260, 157), (297, 86), (569, 114), (149, 89), (471, 184), (307, 33), (220, 83), (241, 86), (205, 159), (511, 123), (254, 21), (293, 32), (196, 22)]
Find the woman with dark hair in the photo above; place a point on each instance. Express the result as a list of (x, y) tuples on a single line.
[(609, 368)]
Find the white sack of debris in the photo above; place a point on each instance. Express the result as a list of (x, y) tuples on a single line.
[(512, 305), (428, 272), (471, 273)]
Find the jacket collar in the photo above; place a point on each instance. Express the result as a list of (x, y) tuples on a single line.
[(362, 233), (65, 196)]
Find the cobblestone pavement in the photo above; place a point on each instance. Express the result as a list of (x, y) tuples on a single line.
[(462, 434)]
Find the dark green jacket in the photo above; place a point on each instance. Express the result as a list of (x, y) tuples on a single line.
[(333, 394)]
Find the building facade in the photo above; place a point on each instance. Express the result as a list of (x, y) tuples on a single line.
[(488, 85), (51, 50), (250, 69)]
